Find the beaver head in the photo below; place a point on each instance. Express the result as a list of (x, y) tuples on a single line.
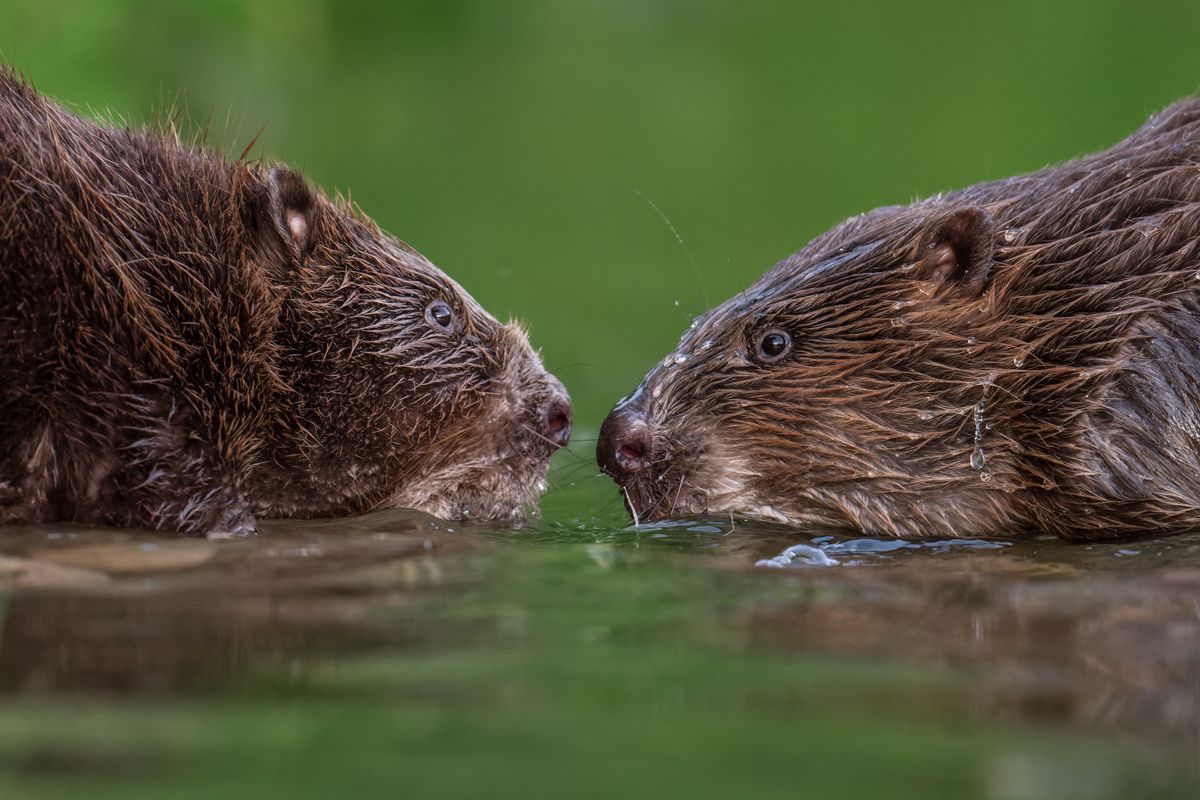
[(1016, 356), (817, 391), (401, 390)]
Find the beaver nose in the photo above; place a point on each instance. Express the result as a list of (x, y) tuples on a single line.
[(556, 424), (625, 441)]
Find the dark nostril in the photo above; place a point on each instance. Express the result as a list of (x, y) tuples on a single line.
[(629, 452), (558, 421), (624, 445)]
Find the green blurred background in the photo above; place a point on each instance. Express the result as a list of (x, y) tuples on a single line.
[(520, 144), (524, 147)]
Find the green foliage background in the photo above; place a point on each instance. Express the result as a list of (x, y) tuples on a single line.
[(519, 144)]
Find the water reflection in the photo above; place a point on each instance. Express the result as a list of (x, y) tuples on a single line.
[(1092, 640)]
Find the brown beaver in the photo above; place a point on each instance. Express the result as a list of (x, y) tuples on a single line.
[(1018, 356), (186, 343)]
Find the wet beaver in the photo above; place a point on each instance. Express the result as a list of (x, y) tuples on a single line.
[(186, 343), (1018, 356)]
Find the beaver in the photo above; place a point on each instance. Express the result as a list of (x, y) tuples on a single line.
[(1016, 357), (188, 342)]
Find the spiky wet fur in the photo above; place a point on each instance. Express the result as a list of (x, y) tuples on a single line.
[(1080, 360), (169, 360)]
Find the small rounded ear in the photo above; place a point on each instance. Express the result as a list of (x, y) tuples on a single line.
[(292, 208), (956, 250)]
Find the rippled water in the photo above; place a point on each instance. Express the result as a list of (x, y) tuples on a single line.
[(395, 655)]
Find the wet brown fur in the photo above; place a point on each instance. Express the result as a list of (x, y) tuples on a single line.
[(1044, 379), (186, 343)]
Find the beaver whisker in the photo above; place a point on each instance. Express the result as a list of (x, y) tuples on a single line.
[(675, 502), (678, 238), (631, 506)]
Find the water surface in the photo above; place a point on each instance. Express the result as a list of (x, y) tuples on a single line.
[(395, 654)]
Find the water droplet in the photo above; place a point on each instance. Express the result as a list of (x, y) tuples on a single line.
[(657, 391), (972, 340), (676, 302), (1011, 234), (986, 477), (898, 322), (925, 415), (978, 457), (706, 345), (695, 322), (1019, 361), (680, 358)]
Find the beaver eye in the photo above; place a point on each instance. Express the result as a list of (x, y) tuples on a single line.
[(440, 315), (773, 345)]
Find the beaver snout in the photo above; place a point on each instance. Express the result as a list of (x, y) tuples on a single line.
[(625, 442), (557, 414)]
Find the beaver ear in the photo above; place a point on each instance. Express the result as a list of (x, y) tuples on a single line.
[(956, 251), (293, 210)]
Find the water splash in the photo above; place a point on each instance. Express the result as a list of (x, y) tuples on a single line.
[(857, 552)]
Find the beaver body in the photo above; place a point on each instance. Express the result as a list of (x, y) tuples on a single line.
[(1020, 356), (186, 343)]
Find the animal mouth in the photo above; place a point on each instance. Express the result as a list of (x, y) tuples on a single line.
[(699, 477), (503, 483), (504, 490), (674, 498)]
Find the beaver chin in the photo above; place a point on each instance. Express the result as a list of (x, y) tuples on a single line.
[(706, 486), (505, 489), (719, 486)]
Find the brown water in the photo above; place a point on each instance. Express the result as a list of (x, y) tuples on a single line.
[(578, 654)]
